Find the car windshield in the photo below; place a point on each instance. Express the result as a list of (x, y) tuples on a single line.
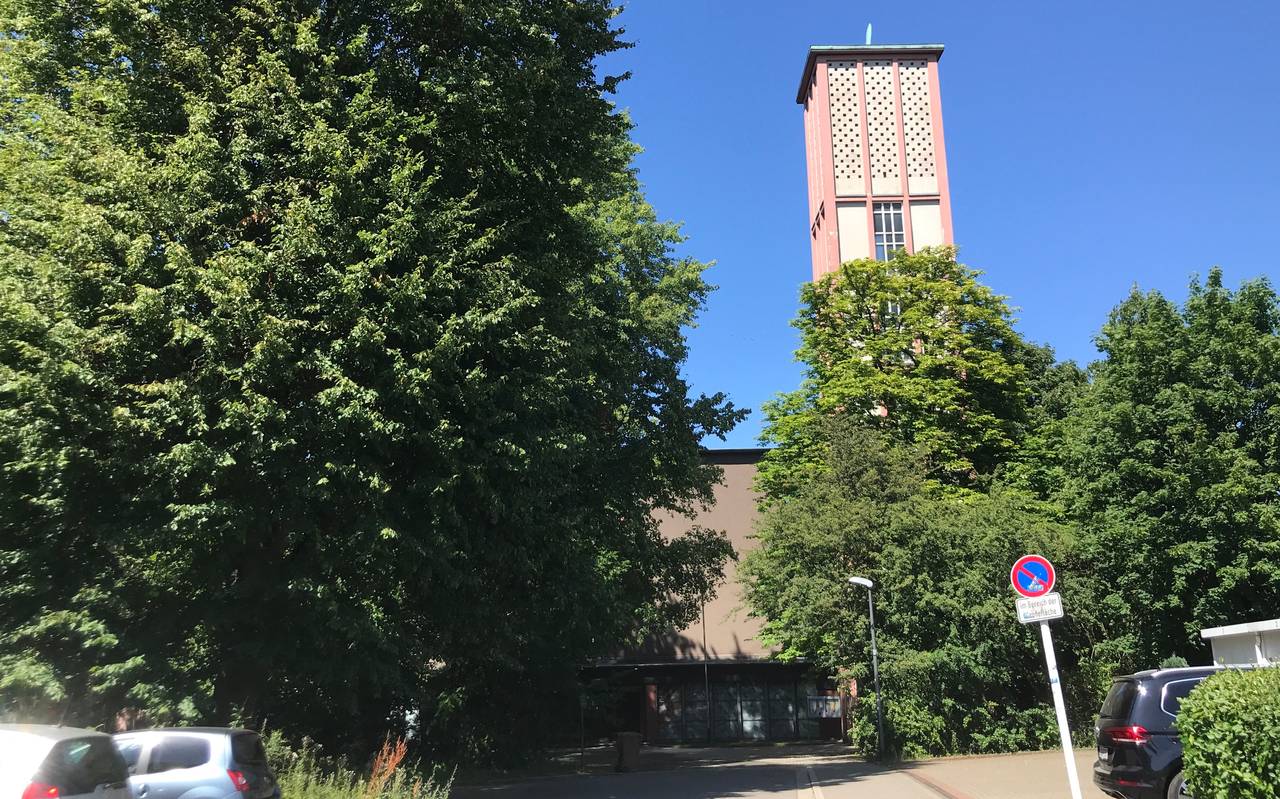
[(130, 750)]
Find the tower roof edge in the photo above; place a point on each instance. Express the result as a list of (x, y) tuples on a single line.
[(858, 50)]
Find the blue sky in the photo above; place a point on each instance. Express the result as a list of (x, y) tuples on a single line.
[(1090, 147)]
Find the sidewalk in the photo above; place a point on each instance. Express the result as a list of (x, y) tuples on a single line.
[(1030, 775)]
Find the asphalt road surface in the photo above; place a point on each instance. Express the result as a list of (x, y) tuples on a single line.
[(804, 773)]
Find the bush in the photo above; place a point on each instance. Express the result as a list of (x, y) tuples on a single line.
[(920, 726), (304, 772), (1230, 728)]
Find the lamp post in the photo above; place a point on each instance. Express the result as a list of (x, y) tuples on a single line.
[(875, 663)]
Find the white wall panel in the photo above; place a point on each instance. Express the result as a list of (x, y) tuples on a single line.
[(852, 219), (926, 225)]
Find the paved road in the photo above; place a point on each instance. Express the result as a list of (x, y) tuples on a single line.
[(800, 773), (1032, 775)]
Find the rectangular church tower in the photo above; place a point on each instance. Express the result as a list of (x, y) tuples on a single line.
[(876, 161)]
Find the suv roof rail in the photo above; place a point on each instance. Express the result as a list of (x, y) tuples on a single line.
[(1173, 671)]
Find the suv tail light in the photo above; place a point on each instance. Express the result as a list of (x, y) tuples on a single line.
[(40, 790), (237, 779), (1134, 734)]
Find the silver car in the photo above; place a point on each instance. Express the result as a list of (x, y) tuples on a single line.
[(197, 763), (40, 761)]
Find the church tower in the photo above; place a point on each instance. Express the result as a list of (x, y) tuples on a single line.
[(876, 162)]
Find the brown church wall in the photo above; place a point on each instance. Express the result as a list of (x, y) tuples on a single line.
[(729, 633)]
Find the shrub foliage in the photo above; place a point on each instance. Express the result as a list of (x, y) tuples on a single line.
[(1230, 729)]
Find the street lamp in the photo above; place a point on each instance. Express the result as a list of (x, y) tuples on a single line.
[(875, 664)]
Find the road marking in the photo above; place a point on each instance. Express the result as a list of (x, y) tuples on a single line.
[(813, 784)]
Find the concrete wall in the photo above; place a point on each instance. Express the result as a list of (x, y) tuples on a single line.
[(1259, 647), (1271, 646), (1233, 650)]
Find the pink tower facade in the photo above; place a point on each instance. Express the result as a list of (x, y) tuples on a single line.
[(877, 163)]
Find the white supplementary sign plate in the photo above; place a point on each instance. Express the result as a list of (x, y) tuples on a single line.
[(1042, 608)]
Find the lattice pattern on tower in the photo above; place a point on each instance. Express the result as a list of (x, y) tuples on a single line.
[(882, 126), (846, 127), (917, 119)]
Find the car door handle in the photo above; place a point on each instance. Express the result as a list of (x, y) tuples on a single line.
[(142, 790)]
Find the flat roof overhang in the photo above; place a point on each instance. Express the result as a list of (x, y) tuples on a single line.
[(856, 50), (695, 666), (1241, 629)]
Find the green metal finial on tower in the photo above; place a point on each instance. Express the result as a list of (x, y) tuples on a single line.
[(868, 33)]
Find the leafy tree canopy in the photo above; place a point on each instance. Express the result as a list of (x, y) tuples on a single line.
[(915, 347), (958, 673), (339, 365), (1172, 462)]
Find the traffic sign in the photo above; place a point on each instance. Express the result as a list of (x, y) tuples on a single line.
[(1042, 608), (1032, 576)]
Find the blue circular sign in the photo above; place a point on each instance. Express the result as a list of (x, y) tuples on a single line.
[(1032, 576)]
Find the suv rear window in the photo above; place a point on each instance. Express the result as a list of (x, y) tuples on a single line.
[(1119, 701), (246, 747), (178, 751), (82, 764)]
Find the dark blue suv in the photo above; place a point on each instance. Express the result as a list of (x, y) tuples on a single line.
[(1139, 752)]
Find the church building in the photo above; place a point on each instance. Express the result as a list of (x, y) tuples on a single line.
[(877, 183)]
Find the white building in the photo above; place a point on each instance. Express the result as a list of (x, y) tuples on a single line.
[(1255, 643)]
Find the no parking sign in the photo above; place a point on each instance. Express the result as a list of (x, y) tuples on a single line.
[(1032, 576)]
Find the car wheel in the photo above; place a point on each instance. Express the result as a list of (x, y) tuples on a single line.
[(1178, 787)]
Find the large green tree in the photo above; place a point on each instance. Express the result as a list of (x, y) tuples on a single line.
[(339, 365), (899, 459), (1171, 461), (959, 674), (915, 347)]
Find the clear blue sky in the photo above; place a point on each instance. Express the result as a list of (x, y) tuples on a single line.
[(1091, 146)]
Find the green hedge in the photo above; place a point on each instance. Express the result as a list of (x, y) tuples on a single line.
[(1230, 728)]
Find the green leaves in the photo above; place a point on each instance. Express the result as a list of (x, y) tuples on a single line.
[(345, 375), (1229, 727), (959, 674), (916, 348), (1170, 462)]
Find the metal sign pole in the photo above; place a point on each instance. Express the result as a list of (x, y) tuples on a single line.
[(875, 674), (1051, 661), (706, 669)]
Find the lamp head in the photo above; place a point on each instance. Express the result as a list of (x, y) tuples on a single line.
[(862, 581)]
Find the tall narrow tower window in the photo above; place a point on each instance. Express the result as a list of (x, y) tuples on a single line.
[(890, 234)]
